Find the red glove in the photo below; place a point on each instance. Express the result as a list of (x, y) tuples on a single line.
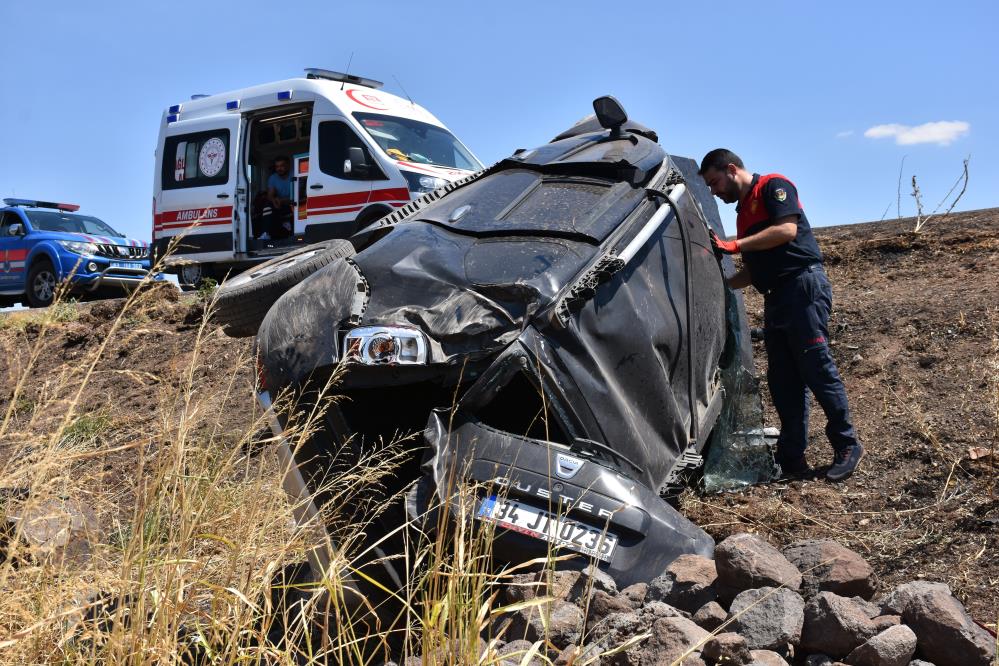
[(723, 246)]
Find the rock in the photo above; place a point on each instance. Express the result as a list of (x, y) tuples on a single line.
[(769, 618), (727, 648), (513, 652), (564, 619), (635, 594), (899, 598), (946, 633), (686, 584), (827, 566), (766, 658), (892, 647), (834, 625), (602, 604), (871, 609), (567, 584), (818, 660), (58, 531), (882, 622), (575, 654), (657, 609), (746, 562), (670, 638), (710, 616), (920, 662)]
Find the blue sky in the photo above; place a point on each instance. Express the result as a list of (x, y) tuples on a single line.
[(791, 87)]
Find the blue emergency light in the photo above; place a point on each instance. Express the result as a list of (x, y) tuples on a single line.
[(172, 118), (175, 108), (232, 105), (284, 95), (33, 203)]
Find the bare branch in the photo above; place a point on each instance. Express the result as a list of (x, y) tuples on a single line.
[(962, 180)]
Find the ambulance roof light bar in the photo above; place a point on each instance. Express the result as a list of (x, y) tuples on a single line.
[(330, 75), (32, 203)]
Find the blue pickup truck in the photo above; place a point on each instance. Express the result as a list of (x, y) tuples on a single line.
[(44, 244)]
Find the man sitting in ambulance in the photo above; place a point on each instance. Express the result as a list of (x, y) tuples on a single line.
[(278, 223)]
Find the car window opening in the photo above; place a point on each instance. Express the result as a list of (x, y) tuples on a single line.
[(519, 408)]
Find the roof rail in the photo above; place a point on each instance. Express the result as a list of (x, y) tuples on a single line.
[(316, 73), (32, 203)]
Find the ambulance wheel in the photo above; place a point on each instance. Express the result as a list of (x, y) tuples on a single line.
[(42, 283), (244, 299)]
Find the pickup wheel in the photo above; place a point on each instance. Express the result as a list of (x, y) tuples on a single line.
[(42, 283), (244, 299)]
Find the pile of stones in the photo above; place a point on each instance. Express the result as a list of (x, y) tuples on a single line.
[(814, 603)]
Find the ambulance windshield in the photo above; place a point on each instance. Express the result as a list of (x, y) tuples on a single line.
[(414, 142), (46, 220)]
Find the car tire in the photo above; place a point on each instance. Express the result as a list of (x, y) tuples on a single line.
[(42, 283), (244, 299)]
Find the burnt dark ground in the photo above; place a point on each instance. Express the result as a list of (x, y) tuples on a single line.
[(915, 331)]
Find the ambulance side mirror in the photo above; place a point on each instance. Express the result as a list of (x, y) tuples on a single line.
[(355, 162)]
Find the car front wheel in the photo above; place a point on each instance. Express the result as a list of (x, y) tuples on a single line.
[(42, 283)]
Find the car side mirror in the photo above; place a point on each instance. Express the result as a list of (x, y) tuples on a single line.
[(610, 114), (15, 229)]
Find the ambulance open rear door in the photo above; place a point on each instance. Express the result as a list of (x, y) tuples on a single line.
[(202, 201)]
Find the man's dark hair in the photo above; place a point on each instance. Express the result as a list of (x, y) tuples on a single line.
[(282, 158), (718, 159)]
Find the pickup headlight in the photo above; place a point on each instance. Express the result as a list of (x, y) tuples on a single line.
[(386, 345), (422, 183), (78, 247)]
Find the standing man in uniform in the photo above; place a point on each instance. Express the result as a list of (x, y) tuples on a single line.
[(781, 259)]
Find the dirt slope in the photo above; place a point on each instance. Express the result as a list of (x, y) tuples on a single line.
[(915, 332)]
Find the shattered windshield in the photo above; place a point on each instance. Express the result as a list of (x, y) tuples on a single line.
[(412, 141), (45, 220)]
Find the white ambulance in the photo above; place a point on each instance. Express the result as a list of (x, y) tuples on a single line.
[(355, 154)]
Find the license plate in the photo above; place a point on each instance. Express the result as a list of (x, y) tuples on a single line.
[(126, 264), (549, 527)]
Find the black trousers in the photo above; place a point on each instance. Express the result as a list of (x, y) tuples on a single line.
[(796, 318)]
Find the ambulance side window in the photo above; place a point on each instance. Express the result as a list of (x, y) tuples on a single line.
[(196, 160), (335, 138)]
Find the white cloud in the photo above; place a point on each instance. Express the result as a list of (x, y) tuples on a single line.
[(844, 134), (942, 132)]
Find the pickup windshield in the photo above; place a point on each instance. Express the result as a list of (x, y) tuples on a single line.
[(45, 220), (406, 140)]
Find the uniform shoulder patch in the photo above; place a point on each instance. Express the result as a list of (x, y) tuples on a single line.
[(780, 194)]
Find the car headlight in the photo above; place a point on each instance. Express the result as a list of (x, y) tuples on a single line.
[(78, 247), (386, 345), (422, 183)]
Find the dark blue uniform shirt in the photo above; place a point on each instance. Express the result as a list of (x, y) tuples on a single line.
[(770, 198)]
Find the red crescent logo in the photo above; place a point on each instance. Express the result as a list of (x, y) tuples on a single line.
[(366, 99)]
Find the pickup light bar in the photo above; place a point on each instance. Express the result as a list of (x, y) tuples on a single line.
[(32, 203), (386, 345)]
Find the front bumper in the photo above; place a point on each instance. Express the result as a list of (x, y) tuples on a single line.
[(650, 533), (112, 276)]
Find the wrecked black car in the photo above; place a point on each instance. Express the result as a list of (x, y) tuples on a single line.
[(556, 326)]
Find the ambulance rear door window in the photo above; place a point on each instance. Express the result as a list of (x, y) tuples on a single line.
[(198, 159)]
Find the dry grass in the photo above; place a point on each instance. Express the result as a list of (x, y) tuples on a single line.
[(166, 537)]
